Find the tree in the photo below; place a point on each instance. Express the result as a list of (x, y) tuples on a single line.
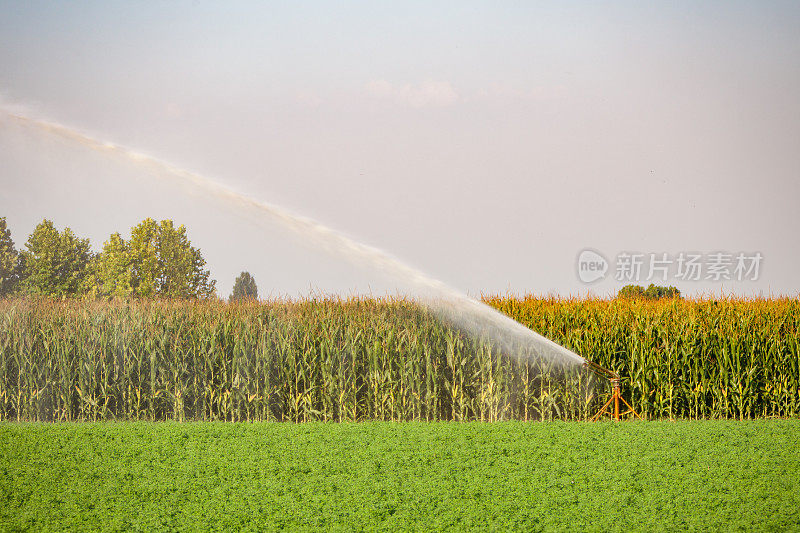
[(144, 262), (8, 260), (653, 292), (55, 264), (181, 273), (160, 261), (111, 269), (244, 288), (631, 291), (656, 292)]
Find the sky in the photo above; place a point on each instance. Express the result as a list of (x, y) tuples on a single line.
[(487, 145)]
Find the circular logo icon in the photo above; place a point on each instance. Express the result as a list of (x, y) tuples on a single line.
[(591, 266)]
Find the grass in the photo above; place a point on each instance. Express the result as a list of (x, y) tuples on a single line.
[(700, 475)]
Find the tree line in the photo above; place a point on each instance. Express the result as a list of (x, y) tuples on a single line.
[(157, 260), (653, 292)]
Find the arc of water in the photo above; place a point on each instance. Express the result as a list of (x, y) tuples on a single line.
[(445, 301)]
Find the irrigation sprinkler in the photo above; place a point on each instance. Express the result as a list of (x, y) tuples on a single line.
[(616, 394)]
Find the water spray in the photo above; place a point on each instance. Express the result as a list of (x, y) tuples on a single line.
[(449, 304), (444, 301), (474, 316)]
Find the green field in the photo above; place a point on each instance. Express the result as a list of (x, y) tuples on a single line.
[(717, 475)]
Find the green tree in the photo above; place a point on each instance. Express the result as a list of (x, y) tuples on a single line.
[(656, 292), (55, 264), (181, 273), (8, 260), (631, 291), (144, 263), (164, 263), (244, 287), (112, 269), (653, 292)]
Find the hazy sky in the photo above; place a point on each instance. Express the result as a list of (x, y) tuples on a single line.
[(487, 145)]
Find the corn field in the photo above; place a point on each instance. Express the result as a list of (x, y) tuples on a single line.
[(694, 359), (389, 359)]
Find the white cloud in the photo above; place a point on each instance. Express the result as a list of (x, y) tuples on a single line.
[(427, 93)]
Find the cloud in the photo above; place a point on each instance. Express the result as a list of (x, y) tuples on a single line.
[(427, 93)]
